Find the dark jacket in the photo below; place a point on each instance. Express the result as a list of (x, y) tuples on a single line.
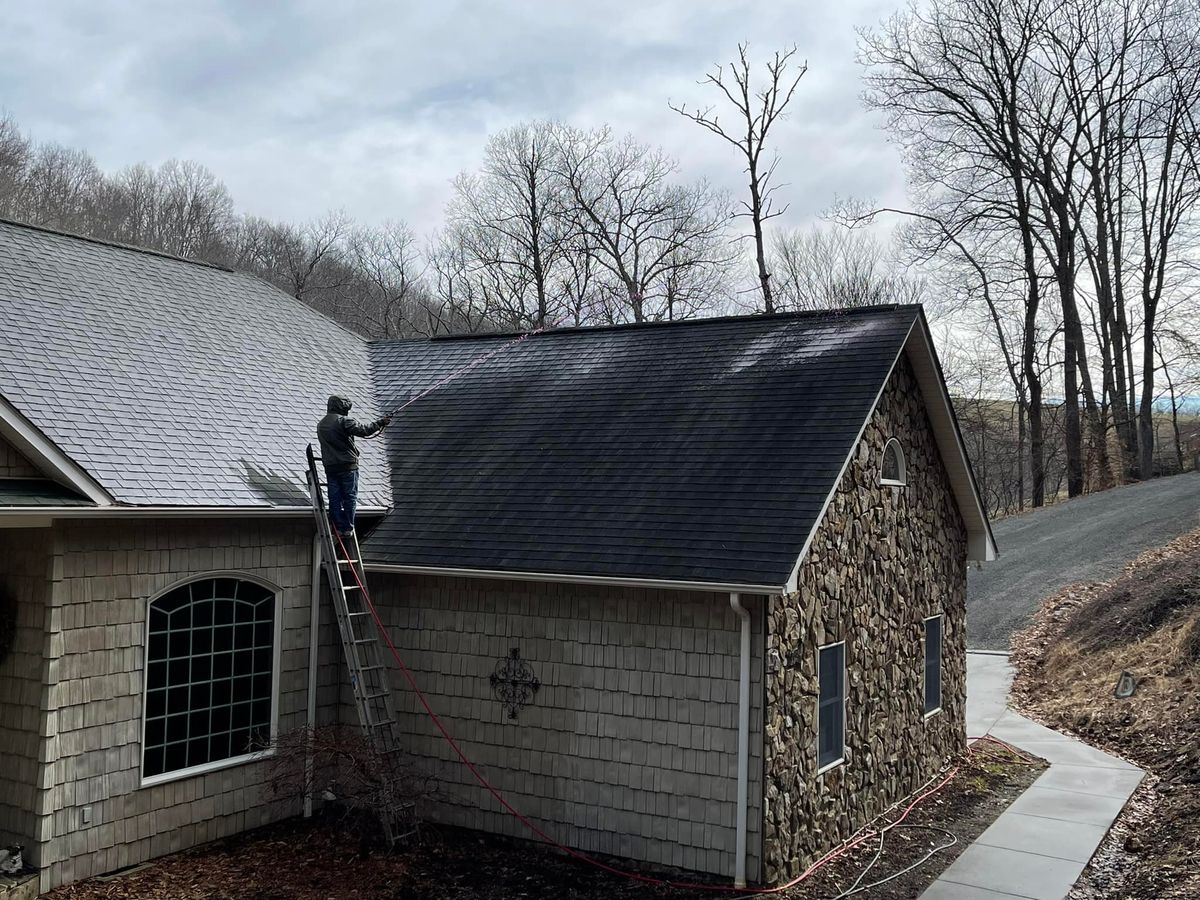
[(336, 432)]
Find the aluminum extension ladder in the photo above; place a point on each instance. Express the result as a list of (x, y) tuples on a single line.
[(362, 648)]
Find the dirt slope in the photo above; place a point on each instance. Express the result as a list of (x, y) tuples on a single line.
[(1145, 621)]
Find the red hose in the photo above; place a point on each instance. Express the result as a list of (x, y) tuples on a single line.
[(846, 846)]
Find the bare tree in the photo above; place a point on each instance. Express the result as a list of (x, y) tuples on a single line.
[(389, 298), (460, 301), (15, 152), (60, 185), (756, 112), (642, 229), (510, 216), (306, 259), (950, 79), (1063, 123), (831, 266), (196, 210)]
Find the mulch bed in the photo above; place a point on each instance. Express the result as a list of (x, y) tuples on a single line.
[(1145, 621), (316, 860)]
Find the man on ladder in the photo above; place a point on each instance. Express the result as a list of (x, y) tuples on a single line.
[(336, 433), (358, 625)]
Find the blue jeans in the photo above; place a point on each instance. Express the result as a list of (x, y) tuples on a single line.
[(343, 497)]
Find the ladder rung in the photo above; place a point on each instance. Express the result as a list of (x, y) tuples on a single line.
[(376, 696), (348, 562), (370, 668)]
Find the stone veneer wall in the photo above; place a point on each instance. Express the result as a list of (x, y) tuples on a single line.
[(15, 465), (882, 560), (102, 574), (25, 579), (628, 748)]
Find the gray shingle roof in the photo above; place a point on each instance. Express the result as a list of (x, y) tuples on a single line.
[(698, 452), (37, 492), (171, 382)]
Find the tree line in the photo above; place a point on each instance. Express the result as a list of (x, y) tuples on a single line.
[(559, 225)]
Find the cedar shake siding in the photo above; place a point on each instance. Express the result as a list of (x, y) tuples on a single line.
[(25, 561), (13, 464), (882, 560), (92, 647), (629, 746)]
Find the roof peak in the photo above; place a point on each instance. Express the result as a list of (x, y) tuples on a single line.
[(117, 245), (832, 313)]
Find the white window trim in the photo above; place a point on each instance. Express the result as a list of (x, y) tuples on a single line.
[(841, 760), (902, 481), (216, 765), (925, 661)]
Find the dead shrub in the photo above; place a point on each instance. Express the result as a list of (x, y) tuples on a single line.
[(350, 779)]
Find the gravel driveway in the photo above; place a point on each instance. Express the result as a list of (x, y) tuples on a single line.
[(1086, 539)]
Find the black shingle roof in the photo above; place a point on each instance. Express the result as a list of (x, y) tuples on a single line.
[(37, 492), (171, 382), (697, 452)]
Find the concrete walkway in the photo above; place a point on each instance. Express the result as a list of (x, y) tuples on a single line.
[(1038, 847)]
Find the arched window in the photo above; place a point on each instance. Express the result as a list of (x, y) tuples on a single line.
[(211, 650), (893, 471)]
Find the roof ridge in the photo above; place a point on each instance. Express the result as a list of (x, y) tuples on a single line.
[(105, 242), (118, 245), (328, 317), (830, 313)]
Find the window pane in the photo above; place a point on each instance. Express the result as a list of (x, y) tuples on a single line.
[(158, 648), (176, 757), (933, 664), (222, 665), (226, 589), (202, 613), (209, 667), (893, 463), (831, 704), (156, 703), (155, 731), (201, 668), (153, 764)]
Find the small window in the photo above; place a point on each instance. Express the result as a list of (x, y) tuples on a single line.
[(210, 677), (933, 665), (831, 705), (893, 472)]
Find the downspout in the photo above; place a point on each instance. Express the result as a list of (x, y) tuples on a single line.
[(314, 627), (743, 764)]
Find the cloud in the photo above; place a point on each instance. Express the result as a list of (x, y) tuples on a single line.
[(374, 106)]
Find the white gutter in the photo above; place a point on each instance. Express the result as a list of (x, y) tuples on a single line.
[(314, 627), (743, 763), (168, 512), (566, 578)]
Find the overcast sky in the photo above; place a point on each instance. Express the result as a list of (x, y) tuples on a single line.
[(375, 106)]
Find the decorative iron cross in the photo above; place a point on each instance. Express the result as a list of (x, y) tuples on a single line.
[(514, 682)]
